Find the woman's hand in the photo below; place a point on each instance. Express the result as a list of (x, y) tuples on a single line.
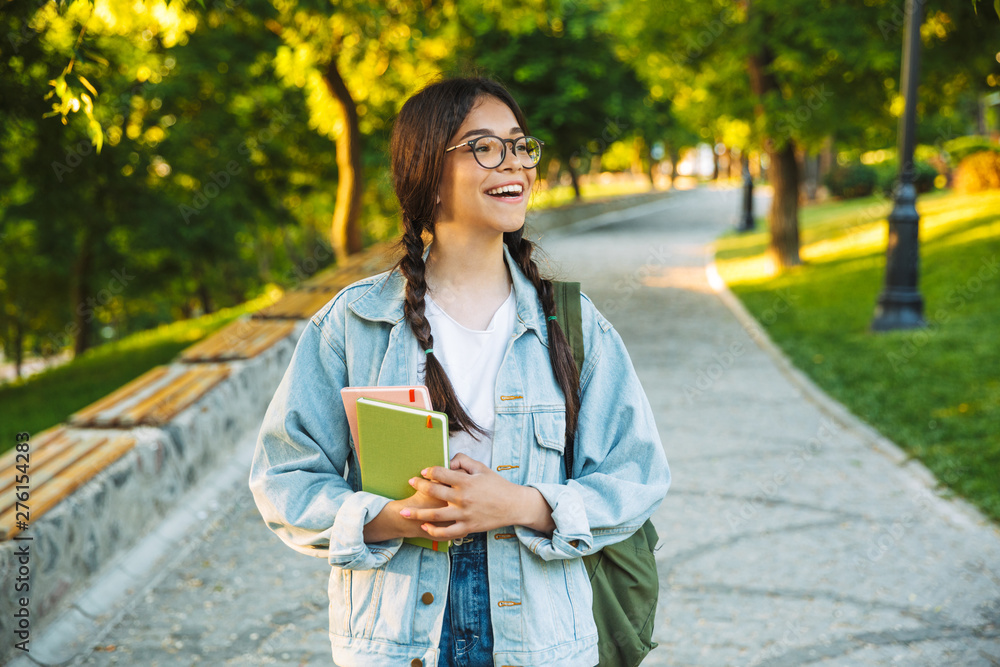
[(476, 499), (389, 524)]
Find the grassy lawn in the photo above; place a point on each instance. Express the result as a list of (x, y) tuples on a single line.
[(935, 391), (44, 400), (562, 195)]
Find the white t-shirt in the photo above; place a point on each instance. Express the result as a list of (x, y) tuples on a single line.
[(472, 360)]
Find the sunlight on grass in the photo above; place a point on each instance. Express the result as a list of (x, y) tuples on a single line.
[(934, 391), (563, 194)]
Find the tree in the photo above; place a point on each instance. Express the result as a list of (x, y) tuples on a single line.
[(581, 95), (797, 72)]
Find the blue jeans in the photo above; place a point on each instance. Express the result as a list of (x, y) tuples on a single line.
[(467, 633)]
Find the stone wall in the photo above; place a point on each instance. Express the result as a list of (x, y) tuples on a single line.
[(111, 512)]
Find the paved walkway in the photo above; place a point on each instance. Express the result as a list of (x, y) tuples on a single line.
[(790, 536)]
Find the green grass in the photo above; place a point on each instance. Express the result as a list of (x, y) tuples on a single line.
[(935, 391), (48, 398), (561, 195)]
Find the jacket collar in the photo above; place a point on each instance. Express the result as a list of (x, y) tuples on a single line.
[(383, 300)]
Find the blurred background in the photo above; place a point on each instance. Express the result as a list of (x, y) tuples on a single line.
[(168, 167)]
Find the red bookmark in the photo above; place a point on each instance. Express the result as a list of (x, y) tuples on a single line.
[(413, 396), (429, 424)]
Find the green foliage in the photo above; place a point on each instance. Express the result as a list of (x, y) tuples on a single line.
[(211, 182), (578, 95), (961, 147), (887, 173), (851, 180), (978, 172), (933, 391)]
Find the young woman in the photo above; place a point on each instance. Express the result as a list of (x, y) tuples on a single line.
[(470, 316)]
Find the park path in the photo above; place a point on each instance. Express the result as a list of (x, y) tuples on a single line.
[(790, 536)]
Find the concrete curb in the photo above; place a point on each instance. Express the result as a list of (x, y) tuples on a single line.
[(73, 634), (956, 509)]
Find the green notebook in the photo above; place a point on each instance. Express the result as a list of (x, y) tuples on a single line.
[(397, 442)]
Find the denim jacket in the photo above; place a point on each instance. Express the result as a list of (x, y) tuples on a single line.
[(540, 596)]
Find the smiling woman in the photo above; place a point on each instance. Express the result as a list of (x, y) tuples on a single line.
[(471, 317)]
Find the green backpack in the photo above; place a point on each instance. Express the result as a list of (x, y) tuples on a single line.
[(623, 575)]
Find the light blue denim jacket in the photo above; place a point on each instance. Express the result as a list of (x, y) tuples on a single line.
[(540, 595)]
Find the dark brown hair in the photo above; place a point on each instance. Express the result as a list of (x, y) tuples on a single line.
[(419, 136)]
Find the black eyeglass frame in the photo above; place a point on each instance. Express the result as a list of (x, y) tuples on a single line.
[(503, 149)]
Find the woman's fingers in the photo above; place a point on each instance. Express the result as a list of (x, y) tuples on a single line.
[(450, 532), (467, 463), (435, 515), (444, 475), (432, 489)]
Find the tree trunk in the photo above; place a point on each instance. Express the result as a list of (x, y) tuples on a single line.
[(552, 173), (783, 220), (18, 345), (576, 180), (83, 313), (675, 157), (345, 236), (205, 298), (783, 172)]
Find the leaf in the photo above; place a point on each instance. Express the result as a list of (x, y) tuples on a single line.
[(96, 58), (94, 90), (996, 7), (96, 134)]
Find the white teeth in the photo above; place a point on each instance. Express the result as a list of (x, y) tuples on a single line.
[(505, 188)]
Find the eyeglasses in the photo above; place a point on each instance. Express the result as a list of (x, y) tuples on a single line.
[(490, 151)]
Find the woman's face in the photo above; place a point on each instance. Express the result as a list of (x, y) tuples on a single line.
[(468, 194)]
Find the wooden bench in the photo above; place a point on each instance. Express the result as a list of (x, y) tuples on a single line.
[(64, 458), (59, 461)]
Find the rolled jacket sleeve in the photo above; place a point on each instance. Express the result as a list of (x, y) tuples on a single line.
[(620, 471), (297, 474)]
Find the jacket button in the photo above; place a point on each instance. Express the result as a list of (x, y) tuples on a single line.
[(427, 597), (416, 662)]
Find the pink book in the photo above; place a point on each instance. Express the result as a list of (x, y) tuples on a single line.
[(414, 397)]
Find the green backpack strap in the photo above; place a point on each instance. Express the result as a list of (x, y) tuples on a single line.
[(569, 314), (570, 317), (623, 576)]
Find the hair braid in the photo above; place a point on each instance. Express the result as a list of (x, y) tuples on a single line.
[(443, 396), (560, 352)]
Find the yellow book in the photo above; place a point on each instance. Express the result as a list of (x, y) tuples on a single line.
[(396, 443)]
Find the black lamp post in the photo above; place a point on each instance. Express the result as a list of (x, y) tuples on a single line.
[(900, 305), (746, 219)]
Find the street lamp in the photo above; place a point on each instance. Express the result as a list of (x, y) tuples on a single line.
[(900, 305), (746, 220)]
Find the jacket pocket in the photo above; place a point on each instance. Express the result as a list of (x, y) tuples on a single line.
[(549, 430)]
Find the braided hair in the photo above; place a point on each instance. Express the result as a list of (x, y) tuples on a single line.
[(419, 136)]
